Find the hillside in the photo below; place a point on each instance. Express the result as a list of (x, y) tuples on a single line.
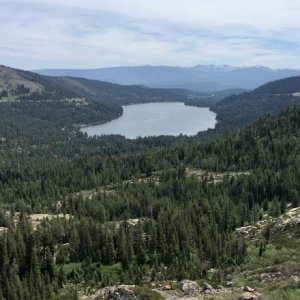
[(201, 78), (236, 111), (284, 86), (11, 79)]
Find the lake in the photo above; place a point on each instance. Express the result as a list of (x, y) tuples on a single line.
[(154, 119)]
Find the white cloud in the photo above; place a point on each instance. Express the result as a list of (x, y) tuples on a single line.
[(256, 13), (96, 33)]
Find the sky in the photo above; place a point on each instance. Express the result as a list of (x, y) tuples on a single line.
[(36, 34)]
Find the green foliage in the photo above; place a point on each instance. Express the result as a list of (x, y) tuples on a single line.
[(144, 293), (284, 294)]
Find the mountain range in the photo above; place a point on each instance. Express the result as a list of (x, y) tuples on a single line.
[(200, 78)]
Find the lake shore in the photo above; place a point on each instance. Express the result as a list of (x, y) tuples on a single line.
[(154, 119)]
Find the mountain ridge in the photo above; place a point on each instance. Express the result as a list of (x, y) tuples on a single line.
[(199, 78)]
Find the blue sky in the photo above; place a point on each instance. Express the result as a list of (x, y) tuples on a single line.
[(102, 33)]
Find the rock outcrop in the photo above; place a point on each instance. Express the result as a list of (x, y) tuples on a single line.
[(250, 296), (120, 292), (189, 287), (248, 289), (207, 289)]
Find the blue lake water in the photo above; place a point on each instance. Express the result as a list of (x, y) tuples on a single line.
[(154, 119)]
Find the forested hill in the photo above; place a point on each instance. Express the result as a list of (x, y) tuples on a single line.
[(236, 111), (284, 86)]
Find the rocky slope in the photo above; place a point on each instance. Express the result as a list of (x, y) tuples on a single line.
[(273, 274)]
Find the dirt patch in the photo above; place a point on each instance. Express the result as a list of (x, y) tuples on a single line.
[(36, 219), (10, 79), (213, 177), (3, 230)]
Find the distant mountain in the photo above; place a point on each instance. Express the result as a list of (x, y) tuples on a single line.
[(201, 78)]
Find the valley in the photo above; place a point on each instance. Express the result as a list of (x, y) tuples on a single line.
[(175, 217)]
